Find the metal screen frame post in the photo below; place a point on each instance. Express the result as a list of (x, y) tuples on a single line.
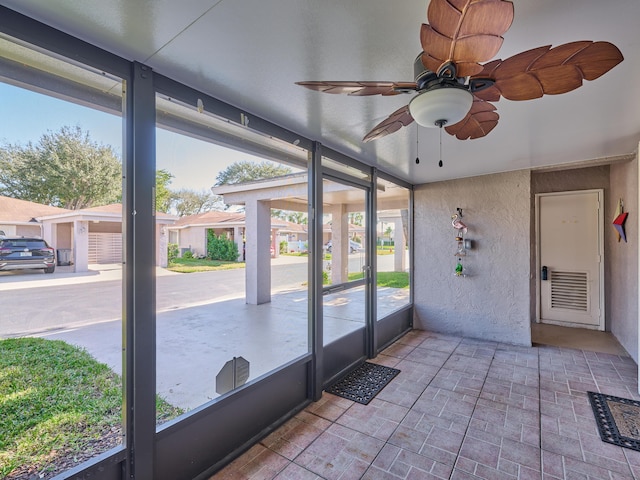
[(372, 252), (139, 285), (316, 338)]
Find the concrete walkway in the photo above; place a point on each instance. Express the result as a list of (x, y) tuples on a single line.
[(193, 344)]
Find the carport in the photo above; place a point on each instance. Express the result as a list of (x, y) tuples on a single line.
[(94, 235), (289, 192)]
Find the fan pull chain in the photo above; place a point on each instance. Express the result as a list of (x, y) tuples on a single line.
[(440, 162), (440, 125), (417, 145)]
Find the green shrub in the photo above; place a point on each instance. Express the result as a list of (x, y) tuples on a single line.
[(220, 247), (284, 246), (187, 254), (172, 252)]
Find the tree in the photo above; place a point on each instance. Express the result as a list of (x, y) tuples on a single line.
[(190, 202), (246, 171), (64, 169), (163, 194), (356, 218), (297, 217)]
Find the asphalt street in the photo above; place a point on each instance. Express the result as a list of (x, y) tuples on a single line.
[(34, 310), (33, 302)]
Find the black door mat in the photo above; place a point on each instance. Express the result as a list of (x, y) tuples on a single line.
[(363, 383), (618, 419)]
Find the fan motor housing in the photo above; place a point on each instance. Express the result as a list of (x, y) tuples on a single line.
[(421, 74), (426, 79)]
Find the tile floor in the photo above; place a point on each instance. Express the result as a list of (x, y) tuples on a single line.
[(460, 409)]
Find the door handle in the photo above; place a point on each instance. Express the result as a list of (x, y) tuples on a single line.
[(545, 273)]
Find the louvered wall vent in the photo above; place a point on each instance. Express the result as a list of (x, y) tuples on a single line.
[(570, 290)]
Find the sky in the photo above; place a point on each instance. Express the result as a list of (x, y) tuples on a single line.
[(25, 116)]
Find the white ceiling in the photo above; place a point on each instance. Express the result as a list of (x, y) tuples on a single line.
[(249, 53)]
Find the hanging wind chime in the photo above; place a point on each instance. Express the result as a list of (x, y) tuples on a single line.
[(461, 251)]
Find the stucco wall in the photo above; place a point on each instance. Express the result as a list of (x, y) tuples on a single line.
[(9, 230), (64, 235), (105, 227), (28, 230), (493, 303), (623, 258)]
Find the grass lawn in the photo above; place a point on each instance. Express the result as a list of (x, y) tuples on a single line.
[(190, 265), (59, 407), (387, 279)]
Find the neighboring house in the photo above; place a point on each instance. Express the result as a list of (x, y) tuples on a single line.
[(18, 217), (190, 232), (93, 235), (357, 231), (295, 234)]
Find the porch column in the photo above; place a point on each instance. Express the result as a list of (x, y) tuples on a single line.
[(339, 243), (275, 242), (399, 253), (49, 234), (258, 258), (162, 234), (80, 246)]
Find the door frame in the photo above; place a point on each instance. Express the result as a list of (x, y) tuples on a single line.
[(348, 351), (601, 299)]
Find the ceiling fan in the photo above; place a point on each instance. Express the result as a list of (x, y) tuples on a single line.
[(455, 89)]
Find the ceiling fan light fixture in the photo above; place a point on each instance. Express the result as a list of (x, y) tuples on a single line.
[(440, 106)]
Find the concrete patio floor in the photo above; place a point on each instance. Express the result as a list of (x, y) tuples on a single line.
[(460, 409), (193, 344)]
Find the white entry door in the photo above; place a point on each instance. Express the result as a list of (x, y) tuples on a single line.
[(570, 258)]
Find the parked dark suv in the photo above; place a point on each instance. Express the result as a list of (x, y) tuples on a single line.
[(17, 253)]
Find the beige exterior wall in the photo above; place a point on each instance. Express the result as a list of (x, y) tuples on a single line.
[(64, 235), (105, 227), (194, 238), (493, 303), (9, 230), (28, 230), (623, 258)]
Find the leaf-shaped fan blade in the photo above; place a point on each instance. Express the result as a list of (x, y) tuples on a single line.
[(465, 32), (548, 71), (398, 119), (481, 119), (361, 88)]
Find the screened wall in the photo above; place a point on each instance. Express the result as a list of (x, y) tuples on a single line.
[(208, 360)]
